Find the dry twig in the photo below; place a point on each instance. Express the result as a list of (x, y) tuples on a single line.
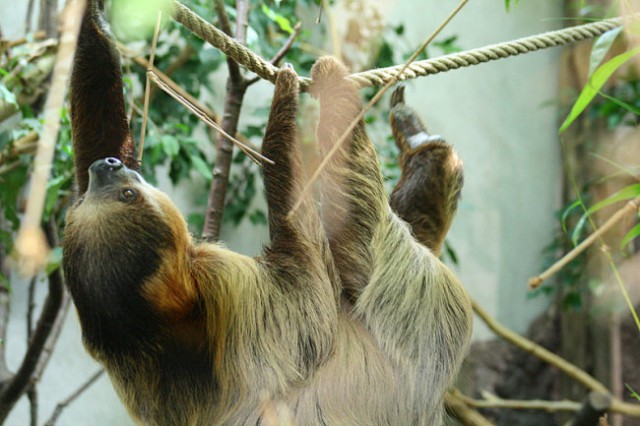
[(586, 380), (65, 403), (30, 245), (630, 208), (147, 89)]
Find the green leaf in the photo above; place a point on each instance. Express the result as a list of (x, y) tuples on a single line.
[(170, 145), (626, 193), (577, 231), (258, 218), (601, 47), (54, 261), (597, 80), (633, 233), (202, 167), (634, 394), (631, 108), (7, 95), (283, 23), (53, 191), (566, 212), (507, 4)]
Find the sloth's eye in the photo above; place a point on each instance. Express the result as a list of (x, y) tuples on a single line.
[(128, 194)]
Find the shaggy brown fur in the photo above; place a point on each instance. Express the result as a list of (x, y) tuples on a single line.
[(345, 320)]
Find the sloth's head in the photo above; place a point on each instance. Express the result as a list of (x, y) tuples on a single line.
[(111, 180), (121, 208)]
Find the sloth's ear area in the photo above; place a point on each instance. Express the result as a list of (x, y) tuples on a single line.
[(99, 124)]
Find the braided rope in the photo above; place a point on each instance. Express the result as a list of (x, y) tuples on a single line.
[(209, 33), (493, 52), (381, 76)]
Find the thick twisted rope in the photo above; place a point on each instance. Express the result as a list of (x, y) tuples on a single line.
[(488, 53), (381, 76)]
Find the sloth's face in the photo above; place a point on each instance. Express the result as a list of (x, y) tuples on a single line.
[(110, 180), (120, 206)]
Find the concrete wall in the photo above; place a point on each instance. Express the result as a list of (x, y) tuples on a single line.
[(494, 114)]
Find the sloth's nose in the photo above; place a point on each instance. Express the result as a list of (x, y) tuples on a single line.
[(109, 164)]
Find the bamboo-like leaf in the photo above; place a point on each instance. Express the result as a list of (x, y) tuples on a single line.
[(566, 213), (626, 193), (597, 80), (631, 108), (577, 230), (633, 233), (601, 48)]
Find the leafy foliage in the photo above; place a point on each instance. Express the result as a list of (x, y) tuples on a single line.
[(600, 76)]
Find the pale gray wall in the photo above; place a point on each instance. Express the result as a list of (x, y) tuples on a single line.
[(494, 114)]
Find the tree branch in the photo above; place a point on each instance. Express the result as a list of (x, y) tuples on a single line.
[(4, 306), (48, 14), (493, 401), (281, 53), (586, 380), (225, 24), (461, 411), (629, 208), (236, 89), (30, 247), (21, 381), (65, 403), (595, 406)]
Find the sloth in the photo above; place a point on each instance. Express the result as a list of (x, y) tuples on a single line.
[(348, 317)]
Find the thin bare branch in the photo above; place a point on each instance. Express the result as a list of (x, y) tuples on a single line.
[(492, 401), (287, 46), (30, 243), (630, 208), (242, 21), (48, 13), (225, 25), (65, 403), (236, 89), (254, 155), (27, 144), (22, 380), (147, 89), (223, 17), (580, 376), (20, 41), (32, 395), (282, 52), (463, 412), (29, 17), (594, 407), (56, 329), (5, 304), (182, 58)]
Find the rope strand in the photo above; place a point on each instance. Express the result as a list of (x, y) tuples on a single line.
[(493, 52), (381, 76)]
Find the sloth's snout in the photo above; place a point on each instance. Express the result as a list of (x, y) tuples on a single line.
[(106, 165), (106, 172)]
